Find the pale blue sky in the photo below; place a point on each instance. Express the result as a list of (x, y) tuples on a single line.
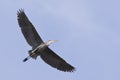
[(88, 32)]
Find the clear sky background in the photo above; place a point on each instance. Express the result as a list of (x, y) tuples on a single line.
[(88, 32)]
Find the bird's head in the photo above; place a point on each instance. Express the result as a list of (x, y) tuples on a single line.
[(50, 42)]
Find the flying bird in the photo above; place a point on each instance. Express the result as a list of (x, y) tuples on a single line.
[(40, 48)]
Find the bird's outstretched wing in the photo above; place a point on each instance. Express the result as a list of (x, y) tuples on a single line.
[(28, 29), (55, 61)]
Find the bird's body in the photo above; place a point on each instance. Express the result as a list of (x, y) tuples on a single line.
[(40, 48)]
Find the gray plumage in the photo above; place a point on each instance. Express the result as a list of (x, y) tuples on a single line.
[(35, 41)]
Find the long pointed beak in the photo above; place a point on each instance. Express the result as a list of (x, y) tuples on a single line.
[(50, 42), (55, 40)]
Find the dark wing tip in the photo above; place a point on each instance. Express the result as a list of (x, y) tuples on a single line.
[(71, 69), (66, 67), (21, 14), (20, 11), (23, 21)]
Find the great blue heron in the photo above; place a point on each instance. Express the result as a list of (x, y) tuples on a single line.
[(40, 48)]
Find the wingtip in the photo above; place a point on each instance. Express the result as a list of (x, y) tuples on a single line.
[(65, 67), (71, 70), (20, 11)]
